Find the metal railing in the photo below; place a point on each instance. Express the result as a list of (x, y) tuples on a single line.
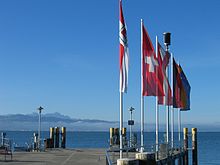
[(6, 142), (164, 152), (112, 154)]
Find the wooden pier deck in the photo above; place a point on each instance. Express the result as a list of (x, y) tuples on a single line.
[(57, 157)]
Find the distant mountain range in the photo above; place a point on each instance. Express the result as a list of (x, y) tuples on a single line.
[(26, 122), (29, 122)]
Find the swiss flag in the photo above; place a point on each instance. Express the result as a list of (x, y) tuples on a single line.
[(152, 84), (163, 60)]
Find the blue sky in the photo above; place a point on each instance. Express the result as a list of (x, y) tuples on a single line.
[(63, 55)]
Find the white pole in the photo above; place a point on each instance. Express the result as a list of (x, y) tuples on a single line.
[(142, 97), (167, 112), (179, 122), (172, 127), (121, 123), (167, 115), (39, 130), (157, 107), (172, 109), (168, 107), (179, 127)]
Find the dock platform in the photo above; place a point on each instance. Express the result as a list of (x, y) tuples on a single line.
[(57, 157)]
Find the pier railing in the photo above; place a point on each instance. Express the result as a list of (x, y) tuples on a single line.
[(178, 154), (165, 152), (113, 154)]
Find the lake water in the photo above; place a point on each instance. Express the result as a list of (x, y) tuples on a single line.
[(208, 142)]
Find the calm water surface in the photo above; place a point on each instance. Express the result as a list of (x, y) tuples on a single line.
[(208, 142)]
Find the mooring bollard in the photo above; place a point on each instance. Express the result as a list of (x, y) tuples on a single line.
[(35, 141), (51, 137), (57, 134), (111, 136), (63, 137), (185, 145), (116, 135), (194, 147)]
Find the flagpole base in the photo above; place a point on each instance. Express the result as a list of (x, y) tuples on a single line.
[(146, 158), (127, 161), (141, 149)]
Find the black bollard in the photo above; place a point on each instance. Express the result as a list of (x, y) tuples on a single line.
[(194, 147)]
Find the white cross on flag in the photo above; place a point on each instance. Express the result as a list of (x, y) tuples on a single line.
[(123, 54), (152, 84)]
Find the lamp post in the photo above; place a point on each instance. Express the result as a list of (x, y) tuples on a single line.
[(131, 122), (39, 128)]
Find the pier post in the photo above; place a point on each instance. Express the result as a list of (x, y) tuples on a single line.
[(63, 137), (194, 147), (124, 140), (185, 146), (57, 133), (111, 136), (35, 141), (52, 137), (116, 134)]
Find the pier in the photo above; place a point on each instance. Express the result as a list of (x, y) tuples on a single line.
[(166, 155), (57, 157)]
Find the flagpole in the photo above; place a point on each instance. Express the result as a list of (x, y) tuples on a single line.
[(179, 123), (167, 113), (172, 109), (179, 127), (121, 123), (142, 97), (157, 107), (121, 108), (167, 43)]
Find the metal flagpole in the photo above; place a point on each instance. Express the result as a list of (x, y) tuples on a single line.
[(142, 97), (121, 123), (167, 124), (130, 127), (172, 127), (179, 127), (167, 112), (179, 123), (167, 43), (172, 109), (157, 107), (39, 131)]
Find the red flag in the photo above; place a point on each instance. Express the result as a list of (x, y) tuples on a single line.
[(177, 86), (163, 59), (152, 84), (123, 52)]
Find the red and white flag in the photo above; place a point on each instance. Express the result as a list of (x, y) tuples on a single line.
[(123, 54), (152, 84), (163, 60)]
